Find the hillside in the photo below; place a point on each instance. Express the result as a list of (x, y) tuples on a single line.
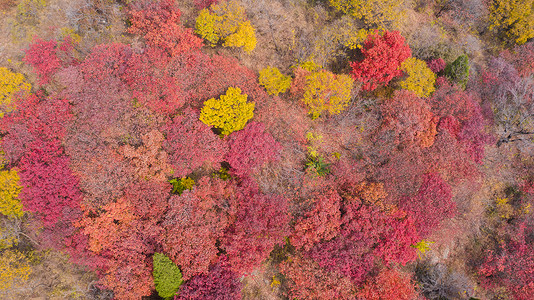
[(267, 149)]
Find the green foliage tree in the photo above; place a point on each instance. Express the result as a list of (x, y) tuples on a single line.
[(373, 12), (514, 18), (458, 70), (167, 276), (229, 113), (326, 91), (226, 22), (274, 81), (420, 78)]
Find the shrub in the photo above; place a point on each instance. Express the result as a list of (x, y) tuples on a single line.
[(179, 186)]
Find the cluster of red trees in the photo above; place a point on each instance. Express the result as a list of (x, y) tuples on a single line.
[(97, 150)]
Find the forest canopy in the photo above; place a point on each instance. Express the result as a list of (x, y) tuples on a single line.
[(240, 149)]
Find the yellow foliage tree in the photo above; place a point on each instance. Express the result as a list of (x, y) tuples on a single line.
[(229, 113), (15, 269), (9, 190), (8, 238), (333, 40), (10, 231), (308, 65), (245, 37), (10, 84), (206, 24), (326, 91), (274, 81), (381, 13), (420, 80), (226, 22), (514, 18)]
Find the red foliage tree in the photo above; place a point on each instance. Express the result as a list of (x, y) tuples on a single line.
[(402, 170), (191, 70), (307, 280), (129, 275), (320, 224), (49, 185), (105, 62), (104, 117), (522, 58), (383, 56), (450, 100), (43, 57), (436, 65), (511, 265), (261, 222), (473, 136), (193, 224), (148, 198), (447, 158), (408, 119), (389, 284), (191, 144), (159, 23), (148, 161), (250, 148), (126, 243), (432, 204), (225, 72), (37, 118), (462, 116), (366, 234), (128, 270), (148, 77), (95, 89), (201, 77), (449, 124), (397, 235), (65, 236), (219, 284)]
